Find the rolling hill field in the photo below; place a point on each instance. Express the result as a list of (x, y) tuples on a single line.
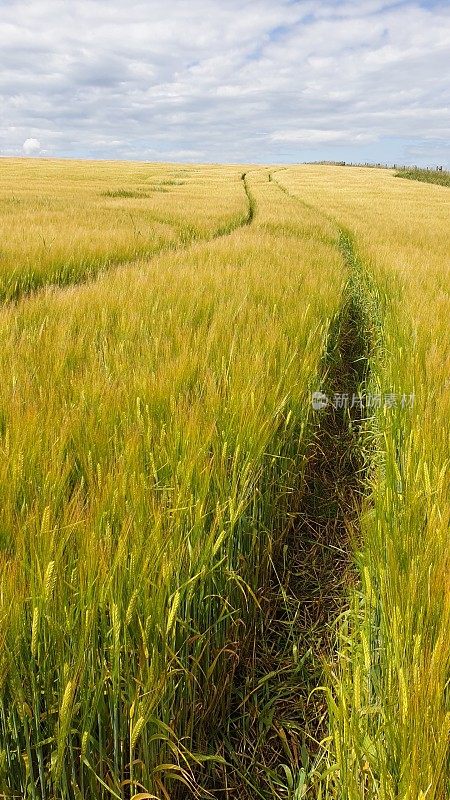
[(224, 482)]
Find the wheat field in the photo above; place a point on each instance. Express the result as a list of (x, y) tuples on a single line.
[(163, 328)]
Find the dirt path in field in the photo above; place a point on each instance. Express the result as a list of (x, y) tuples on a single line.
[(275, 720)]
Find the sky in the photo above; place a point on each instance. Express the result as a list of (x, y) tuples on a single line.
[(240, 81)]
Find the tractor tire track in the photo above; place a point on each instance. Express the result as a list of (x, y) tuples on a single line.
[(278, 717), (36, 287)]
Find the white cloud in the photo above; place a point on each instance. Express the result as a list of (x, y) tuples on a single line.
[(313, 137), (31, 146), (245, 80)]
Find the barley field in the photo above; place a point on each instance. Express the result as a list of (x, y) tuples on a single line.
[(163, 330)]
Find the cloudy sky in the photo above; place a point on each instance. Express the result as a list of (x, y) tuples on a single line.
[(226, 80)]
